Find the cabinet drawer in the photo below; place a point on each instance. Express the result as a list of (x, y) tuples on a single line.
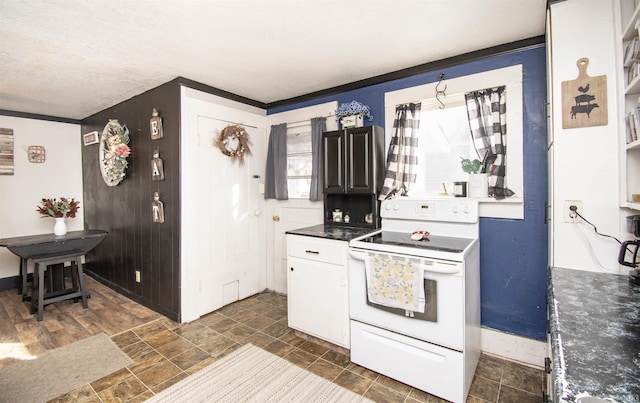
[(318, 249)]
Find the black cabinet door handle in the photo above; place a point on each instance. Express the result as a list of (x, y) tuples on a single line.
[(314, 252)]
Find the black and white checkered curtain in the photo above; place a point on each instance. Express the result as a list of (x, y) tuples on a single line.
[(487, 112), (402, 157)]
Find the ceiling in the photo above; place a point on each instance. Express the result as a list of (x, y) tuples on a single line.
[(73, 58)]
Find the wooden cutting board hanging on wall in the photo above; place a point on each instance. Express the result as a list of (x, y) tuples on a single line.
[(584, 100)]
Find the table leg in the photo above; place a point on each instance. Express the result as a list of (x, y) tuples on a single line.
[(34, 290), (83, 290), (40, 269), (23, 278)]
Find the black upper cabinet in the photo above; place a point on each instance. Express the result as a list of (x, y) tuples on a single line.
[(353, 160)]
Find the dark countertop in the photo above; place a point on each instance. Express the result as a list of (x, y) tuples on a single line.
[(337, 232), (594, 323)]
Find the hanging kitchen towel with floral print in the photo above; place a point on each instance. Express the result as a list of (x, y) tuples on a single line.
[(395, 282)]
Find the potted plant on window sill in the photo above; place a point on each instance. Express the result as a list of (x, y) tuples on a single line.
[(352, 114), (478, 180)]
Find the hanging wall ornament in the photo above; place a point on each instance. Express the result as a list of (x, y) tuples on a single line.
[(157, 209), (157, 167), (155, 125), (234, 142)]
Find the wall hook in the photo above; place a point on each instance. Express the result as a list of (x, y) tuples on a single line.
[(441, 92)]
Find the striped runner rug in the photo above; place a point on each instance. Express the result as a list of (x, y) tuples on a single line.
[(251, 374)]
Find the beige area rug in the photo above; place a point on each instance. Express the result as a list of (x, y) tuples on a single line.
[(59, 371), (251, 374)]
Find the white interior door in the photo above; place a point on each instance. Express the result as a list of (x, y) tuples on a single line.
[(223, 246), (293, 213), (289, 215), (234, 216)]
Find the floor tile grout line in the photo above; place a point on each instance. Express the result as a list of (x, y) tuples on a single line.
[(172, 327)]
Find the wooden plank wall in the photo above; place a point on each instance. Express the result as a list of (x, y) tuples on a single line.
[(135, 242)]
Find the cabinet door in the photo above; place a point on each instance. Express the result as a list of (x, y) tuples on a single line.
[(333, 153), (360, 178), (316, 300)]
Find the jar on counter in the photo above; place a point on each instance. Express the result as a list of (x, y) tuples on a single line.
[(337, 215)]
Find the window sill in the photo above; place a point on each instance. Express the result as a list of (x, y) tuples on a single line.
[(512, 208)]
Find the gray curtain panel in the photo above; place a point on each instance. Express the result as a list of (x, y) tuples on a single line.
[(401, 158), (318, 126), (487, 112), (275, 186)]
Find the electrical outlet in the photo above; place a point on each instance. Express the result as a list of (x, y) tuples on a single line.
[(137, 276), (569, 215)]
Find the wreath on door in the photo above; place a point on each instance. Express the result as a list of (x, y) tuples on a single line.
[(233, 141)]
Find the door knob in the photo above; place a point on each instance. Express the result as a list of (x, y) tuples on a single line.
[(276, 218)]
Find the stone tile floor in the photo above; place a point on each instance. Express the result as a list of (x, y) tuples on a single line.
[(165, 352)]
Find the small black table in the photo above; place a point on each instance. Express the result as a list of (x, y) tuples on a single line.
[(49, 249)]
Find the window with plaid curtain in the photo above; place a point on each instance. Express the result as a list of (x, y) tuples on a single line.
[(487, 112), (402, 158)]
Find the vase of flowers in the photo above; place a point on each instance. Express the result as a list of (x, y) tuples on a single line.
[(59, 209), (60, 227), (352, 114)]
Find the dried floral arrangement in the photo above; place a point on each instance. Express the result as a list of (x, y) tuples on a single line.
[(353, 108), (62, 208), (234, 142), (115, 151)]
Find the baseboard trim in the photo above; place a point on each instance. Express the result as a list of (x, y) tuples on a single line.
[(514, 348), (8, 283)]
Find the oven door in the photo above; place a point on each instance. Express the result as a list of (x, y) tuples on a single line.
[(443, 320)]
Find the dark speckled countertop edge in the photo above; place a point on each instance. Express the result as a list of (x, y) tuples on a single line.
[(557, 359), (594, 326), (335, 232)]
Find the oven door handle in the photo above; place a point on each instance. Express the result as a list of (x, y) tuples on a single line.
[(440, 269), (358, 255), (437, 268)]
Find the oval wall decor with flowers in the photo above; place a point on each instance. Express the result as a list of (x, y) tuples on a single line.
[(114, 152), (234, 142)]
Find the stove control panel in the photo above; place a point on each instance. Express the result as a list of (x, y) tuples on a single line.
[(460, 210)]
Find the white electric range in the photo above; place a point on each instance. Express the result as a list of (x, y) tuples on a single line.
[(437, 350)]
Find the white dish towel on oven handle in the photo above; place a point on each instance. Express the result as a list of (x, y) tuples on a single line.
[(394, 282)]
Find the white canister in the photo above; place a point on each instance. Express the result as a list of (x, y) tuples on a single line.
[(478, 185)]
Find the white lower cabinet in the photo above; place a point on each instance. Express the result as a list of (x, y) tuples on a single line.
[(317, 288)]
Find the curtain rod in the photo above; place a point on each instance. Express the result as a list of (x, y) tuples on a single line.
[(306, 121)]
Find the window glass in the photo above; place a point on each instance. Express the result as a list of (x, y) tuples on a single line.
[(448, 169), (299, 162), (444, 139)]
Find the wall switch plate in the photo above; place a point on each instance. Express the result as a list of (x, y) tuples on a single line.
[(570, 216), (137, 276)]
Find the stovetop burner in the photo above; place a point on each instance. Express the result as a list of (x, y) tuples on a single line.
[(430, 242)]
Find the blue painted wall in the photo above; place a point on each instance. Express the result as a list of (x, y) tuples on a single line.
[(513, 252)]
